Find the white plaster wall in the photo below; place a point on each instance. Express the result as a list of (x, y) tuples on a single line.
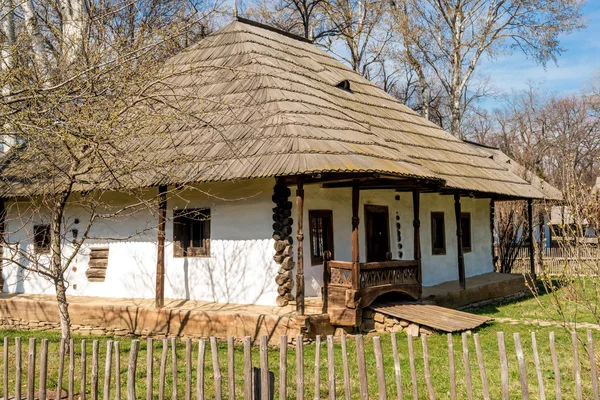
[(239, 270)]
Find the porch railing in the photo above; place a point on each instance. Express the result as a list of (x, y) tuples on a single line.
[(373, 274)]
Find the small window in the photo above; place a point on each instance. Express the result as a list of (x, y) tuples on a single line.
[(41, 239), (191, 232), (465, 230), (344, 85), (321, 234), (438, 233)]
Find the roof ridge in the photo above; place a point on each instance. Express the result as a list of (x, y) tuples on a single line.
[(273, 29)]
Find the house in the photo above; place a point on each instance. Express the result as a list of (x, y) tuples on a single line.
[(308, 181)]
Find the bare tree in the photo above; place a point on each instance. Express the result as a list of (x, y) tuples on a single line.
[(451, 36), (362, 27), (78, 99), (295, 16)]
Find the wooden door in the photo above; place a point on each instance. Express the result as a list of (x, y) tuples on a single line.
[(378, 232)]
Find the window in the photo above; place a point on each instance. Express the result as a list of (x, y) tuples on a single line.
[(465, 230), (321, 234), (41, 239), (191, 232), (438, 233)]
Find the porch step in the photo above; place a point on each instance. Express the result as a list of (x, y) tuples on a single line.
[(436, 317)]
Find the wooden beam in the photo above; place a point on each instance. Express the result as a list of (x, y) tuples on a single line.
[(530, 231), (461, 257), (417, 232), (300, 239), (160, 253), (354, 243)]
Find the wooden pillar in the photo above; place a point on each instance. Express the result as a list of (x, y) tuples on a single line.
[(355, 244), (2, 233), (492, 225), (530, 234), (160, 255), (461, 257), (300, 239), (417, 231)]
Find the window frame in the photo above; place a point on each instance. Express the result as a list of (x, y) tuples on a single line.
[(438, 251), (312, 214), (45, 230), (181, 230), (466, 249)]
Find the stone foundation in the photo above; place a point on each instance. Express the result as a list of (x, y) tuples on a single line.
[(378, 322)]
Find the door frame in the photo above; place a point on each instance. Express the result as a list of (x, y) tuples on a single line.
[(377, 209)]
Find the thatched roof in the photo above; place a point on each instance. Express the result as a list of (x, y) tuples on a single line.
[(549, 191), (266, 104)]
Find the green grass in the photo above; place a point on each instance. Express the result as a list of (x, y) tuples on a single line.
[(543, 307), (438, 352)]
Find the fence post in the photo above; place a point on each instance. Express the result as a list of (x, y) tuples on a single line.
[(31, 369), (230, 368), (317, 367), (200, 371), (426, 368), (538, 368), (248, 368), (482, 373), (331, 367), (299, 367), (397, 371), (131, 369), (61, 367), (576, 364), (5, 379), (149, 369), (467, 364), (592, 358), (283, 368), (362, 367), (380, 368), (216, 368), (451, 367), (43, 369), (522, 369), (345, 368), (107, 369), (556, 367), (117, 346), (71, 383), (413, 370)]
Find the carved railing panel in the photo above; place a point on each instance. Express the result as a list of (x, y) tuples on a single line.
[(374, 274), (388, 276)]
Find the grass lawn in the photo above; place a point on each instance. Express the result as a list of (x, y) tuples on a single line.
[(438, 360), (543, 307)]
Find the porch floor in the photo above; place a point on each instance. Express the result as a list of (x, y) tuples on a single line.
[(481, 288), (119, 316)]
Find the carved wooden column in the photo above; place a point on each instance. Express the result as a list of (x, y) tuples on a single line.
[(300, 239), (416, 198), (355, 244), (160, 254), (530, 234), (461, 257)]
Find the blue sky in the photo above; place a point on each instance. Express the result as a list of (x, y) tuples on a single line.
[(577, 66)]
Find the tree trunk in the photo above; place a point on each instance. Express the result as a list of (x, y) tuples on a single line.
[(57, 267), (63, 309)]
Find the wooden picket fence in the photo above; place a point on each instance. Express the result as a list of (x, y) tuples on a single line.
[(258, 384), (561, 261)]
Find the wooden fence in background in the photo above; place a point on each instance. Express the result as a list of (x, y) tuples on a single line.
[(259, 383), (561, 261)]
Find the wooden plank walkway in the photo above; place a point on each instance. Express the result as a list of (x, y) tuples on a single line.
[(436, 317)]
